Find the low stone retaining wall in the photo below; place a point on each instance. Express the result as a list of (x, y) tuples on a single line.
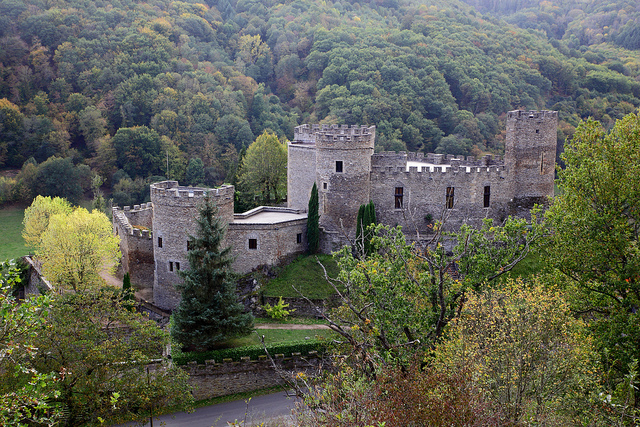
[(221, 379)]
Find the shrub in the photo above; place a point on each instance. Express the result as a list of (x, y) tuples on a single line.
[(252, 351)]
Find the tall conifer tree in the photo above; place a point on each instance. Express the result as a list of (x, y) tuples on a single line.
[(209, 311), (313, 221)]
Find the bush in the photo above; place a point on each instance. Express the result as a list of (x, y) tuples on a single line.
[(252, 351)]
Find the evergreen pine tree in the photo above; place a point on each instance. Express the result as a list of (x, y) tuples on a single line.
[(366, 217), (209, 311), (313, 221)]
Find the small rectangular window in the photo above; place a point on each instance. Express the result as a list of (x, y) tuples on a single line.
[(339, 166), (324, 185), (537, 130), (159, 242), (177, 266), (487, 196), (299, 238), (450, 197), (170, 265), (398, 197), (253, 243)]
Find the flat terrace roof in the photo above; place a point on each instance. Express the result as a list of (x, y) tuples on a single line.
[(268, 215)]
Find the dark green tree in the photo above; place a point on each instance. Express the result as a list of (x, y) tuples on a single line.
[(209, 311), (366, 217), (313, 221), (195, 172)]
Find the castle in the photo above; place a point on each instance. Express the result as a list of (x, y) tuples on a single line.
[(407, 189)]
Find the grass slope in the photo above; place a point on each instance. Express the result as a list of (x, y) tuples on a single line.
[(306, 275), (11, 242)]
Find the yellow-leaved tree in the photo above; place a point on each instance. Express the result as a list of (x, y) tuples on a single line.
[(36, 217), (75, 247)]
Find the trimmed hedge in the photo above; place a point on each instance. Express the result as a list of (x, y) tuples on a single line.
[(252, 351)]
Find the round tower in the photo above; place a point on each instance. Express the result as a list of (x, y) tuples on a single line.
[(530, 155), (343, 167), (175, 211)]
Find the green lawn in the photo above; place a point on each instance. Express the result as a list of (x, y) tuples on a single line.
[(306, 275), (273, 336), (11, 242)]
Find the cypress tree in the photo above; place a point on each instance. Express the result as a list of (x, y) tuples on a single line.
[(313, 221), (209, 311), (359, 229), (126, 287)]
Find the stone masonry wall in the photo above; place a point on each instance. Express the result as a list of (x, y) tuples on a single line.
[(275, 242), (174, 219), (424, 192), (342, 192), (136, 244), (301, 174), (221, 379), (530, 152)]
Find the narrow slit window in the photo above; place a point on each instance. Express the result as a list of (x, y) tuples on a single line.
[(170, 265), (450, 197), (324, 185), (253, 243), (487, 196), (177, 266), (159, 242), (399, 194), (339, 166), (541, 163), (299, 238)]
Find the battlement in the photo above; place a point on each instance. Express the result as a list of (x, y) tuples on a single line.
[(436, 171), (331, 134), (171, 189), (524, 115), (393, 158), (122, 222)]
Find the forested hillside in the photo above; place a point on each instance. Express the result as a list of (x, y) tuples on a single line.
[(135, 89)]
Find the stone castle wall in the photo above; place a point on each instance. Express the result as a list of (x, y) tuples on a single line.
[(301, 169), (530, 153), (175, 211), (275, 242), (424, 192), (134, 225), (343, 167), (221, 379)]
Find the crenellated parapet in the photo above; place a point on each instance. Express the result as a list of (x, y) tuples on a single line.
[(344, 137), (452, 173), (399, 158), (171, 190), (124, 226), (524, 114)]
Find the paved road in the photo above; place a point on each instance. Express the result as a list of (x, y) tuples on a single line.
[(260, 408)]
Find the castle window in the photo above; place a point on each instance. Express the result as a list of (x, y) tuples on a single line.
[(253, 243), (339, 166), (299, 238), (398, 197), (159, 242), (487, 196), (324, 185), (450, 200), (177, 266), (189, 245), (170, 265), (541, 163), (537, 130)]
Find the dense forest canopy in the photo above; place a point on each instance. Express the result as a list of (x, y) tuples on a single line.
[(135, 89)]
